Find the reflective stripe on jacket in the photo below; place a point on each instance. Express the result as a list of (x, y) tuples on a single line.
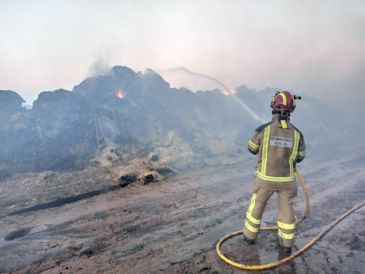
[(279, 146)]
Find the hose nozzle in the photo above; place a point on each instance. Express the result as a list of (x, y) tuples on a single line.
[(297, 97)]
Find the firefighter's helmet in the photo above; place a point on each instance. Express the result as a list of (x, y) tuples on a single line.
[(283, 101)]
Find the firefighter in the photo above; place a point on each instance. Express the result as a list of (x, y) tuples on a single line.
[(279, 146)]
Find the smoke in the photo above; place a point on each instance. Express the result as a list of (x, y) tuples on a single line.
[(100, 66), (226, 91), (201, 75)]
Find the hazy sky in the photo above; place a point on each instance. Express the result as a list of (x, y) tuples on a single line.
[(311, 47)]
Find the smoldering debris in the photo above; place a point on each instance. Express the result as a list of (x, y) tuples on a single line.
[(138, 114)]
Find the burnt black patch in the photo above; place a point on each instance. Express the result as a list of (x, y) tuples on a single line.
[(17, 234), (64, 201), (149, 178), (127, 180)]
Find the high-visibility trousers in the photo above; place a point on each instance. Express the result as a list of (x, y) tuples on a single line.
[(262, 192)]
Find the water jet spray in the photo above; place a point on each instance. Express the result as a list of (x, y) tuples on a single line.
[(226, 91)]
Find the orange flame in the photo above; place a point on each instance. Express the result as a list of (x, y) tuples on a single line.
[(120, 94)]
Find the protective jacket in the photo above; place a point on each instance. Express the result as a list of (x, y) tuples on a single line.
[(279, 145)]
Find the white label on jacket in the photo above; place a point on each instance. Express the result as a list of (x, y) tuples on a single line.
[(277, 141)]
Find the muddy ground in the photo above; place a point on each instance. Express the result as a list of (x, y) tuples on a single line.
[(78, 222)]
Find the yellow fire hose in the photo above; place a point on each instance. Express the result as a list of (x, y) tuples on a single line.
[(298, 252)]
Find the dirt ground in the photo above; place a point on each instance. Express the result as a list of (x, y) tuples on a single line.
[(173, 226)]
